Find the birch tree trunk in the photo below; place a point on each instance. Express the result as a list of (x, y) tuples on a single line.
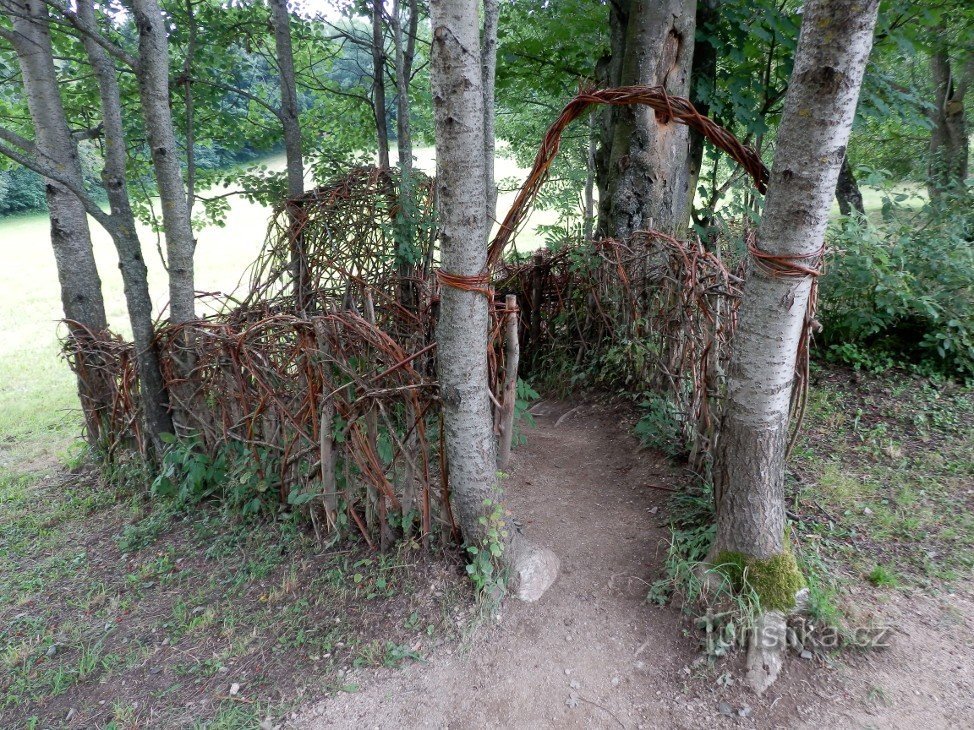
[(833, 47), (122, 228), (81, 296), (379, 84), (153, 80), (488, 63), (462, 334), (648, 174), (290, 123), (949, 142)]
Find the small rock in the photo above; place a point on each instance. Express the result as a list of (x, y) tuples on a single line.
[(234, 689), (568, 671), (765, 650), (70, 716), (536, 570), (654, 510), (724, 709), (867, 511), (806, 654), (615, 681), (267, 724), (744, 712), (52, 650)]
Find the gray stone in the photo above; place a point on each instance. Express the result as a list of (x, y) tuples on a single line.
[(765, 651), (536, 570)]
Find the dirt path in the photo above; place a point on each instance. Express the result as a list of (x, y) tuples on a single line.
[(594, 653)]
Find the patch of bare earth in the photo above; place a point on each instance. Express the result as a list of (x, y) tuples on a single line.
[(593, 653)]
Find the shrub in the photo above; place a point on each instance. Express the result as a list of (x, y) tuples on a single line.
[(901, 290), (242, 480), (21, 191)]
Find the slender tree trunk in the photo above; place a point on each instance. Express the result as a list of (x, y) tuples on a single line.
[(833, 47), (405, 44), (291, 126), (406, 254), (189, 101), (949, 143), (648, 181), (608, 74), (703, 79), (488, 63), (81, 296), (462, 333), (125, 235), (588, 224), (847, 191), (153, 80), (379, 84), (281, 20)]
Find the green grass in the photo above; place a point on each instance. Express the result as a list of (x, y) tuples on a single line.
[(882, 477), (124, 630), (879, 495)]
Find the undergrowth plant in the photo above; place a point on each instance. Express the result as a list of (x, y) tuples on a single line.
[(900, 289), (239, 476), (524, 396), (661, 425), (724, 597), (484, 566)]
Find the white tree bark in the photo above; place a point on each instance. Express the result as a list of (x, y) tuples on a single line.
[(153, 78), (462, 333), (488, 64), (833, 48)]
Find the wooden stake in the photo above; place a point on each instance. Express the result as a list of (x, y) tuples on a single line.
[(512, 355)]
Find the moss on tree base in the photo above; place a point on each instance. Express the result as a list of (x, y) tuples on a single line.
[(774, 580)]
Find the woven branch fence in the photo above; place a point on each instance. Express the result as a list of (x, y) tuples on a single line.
[(317, 388)]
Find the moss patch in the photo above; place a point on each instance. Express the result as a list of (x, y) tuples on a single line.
[(774, 580)]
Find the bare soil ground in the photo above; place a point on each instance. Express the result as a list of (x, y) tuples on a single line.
[(118, 612), (594, 653)]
